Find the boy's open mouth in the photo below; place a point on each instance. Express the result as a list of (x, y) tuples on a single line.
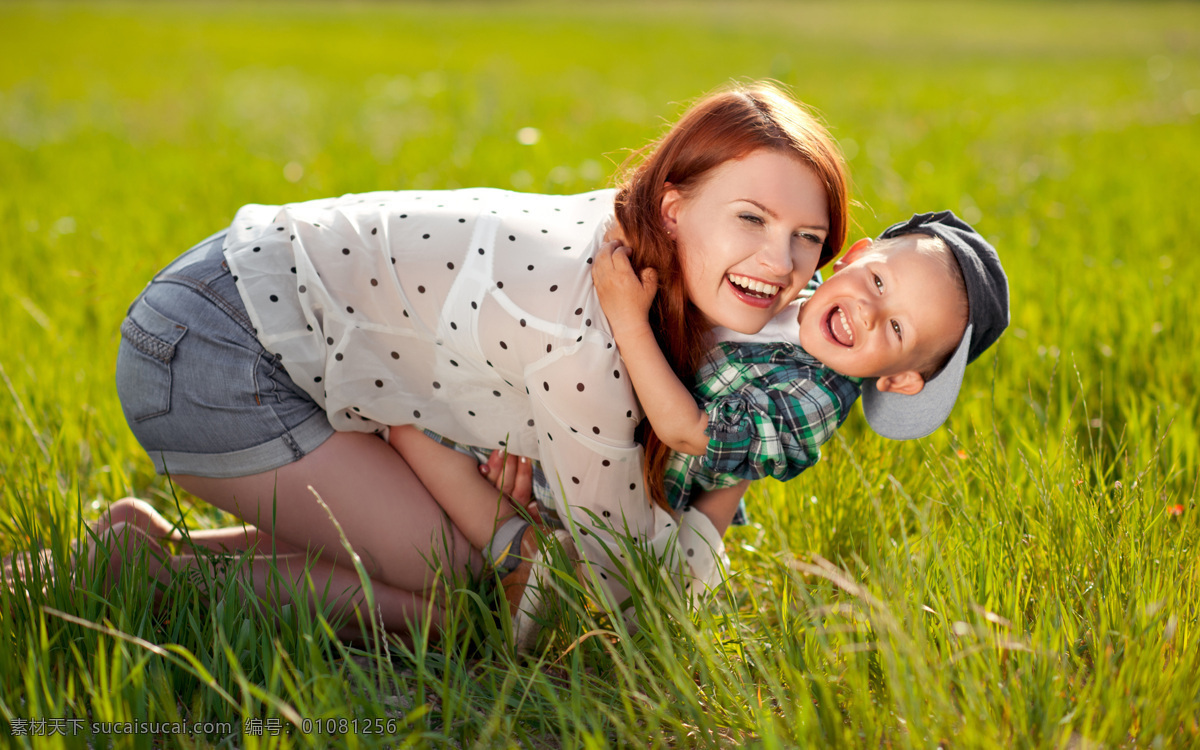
[(839, 327), (752, 289)]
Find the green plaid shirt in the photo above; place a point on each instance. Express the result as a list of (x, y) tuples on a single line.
[(770, 407)]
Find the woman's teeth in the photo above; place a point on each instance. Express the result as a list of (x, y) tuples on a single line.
[(759, 288)]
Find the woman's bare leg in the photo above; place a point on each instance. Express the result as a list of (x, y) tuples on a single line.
[(274, 578), (387, 515)]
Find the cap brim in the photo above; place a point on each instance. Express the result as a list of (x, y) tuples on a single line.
[(901, 417)]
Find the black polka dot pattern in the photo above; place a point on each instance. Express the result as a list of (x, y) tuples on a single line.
[(486, 288)]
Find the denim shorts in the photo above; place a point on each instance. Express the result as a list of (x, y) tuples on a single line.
[(201, 394)]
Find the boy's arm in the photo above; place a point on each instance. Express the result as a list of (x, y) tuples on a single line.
[(626, 301), (454, 479)]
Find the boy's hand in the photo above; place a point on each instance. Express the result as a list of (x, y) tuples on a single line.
[(511, 474), (625, 298)]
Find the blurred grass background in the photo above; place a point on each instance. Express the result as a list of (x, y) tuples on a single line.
[(1024, 577)]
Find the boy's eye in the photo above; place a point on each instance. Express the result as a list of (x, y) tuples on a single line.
[(878, 282), (751, 218), (896, 329)]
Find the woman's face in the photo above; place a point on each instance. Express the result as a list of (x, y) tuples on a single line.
[(749, 237)]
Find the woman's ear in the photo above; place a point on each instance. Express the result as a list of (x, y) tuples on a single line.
[(858, 248), (908, 383), (671, 202)]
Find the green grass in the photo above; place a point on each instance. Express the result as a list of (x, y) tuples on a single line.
[(1016, 580)]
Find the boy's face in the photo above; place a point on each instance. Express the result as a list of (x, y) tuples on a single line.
[(884, 314)]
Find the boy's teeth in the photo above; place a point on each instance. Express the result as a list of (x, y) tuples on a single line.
[(750, 285), (846, 325)]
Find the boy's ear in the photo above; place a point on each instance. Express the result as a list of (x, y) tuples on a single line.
[(855, 250), (908, 383), (670, 207)]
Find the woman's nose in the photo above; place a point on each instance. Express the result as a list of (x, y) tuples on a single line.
[(776, 258)]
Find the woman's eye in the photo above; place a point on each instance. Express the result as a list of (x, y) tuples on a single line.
[(807, 237), (751, 218)]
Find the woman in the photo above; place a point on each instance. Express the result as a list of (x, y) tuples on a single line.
[(260, 367)]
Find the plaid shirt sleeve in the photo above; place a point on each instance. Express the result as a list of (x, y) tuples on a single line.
[(770, 407)]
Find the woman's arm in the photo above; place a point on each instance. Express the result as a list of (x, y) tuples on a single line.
[(626, 301)]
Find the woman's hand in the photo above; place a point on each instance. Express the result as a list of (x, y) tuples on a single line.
[(625, 298)]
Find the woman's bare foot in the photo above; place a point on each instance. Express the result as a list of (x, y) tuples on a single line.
[(230, 539), (123, 543), (23, 569), (139, 514)]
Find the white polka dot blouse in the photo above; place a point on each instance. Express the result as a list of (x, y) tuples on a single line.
[(468, 312)]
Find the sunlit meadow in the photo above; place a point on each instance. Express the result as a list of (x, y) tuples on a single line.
[(1025, 577)]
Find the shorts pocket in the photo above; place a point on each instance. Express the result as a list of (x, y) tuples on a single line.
[(148, 342)]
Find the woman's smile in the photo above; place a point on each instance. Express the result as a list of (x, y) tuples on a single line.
[(753, 292)]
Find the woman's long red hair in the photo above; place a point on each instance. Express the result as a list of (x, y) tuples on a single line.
[(729, 124)]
